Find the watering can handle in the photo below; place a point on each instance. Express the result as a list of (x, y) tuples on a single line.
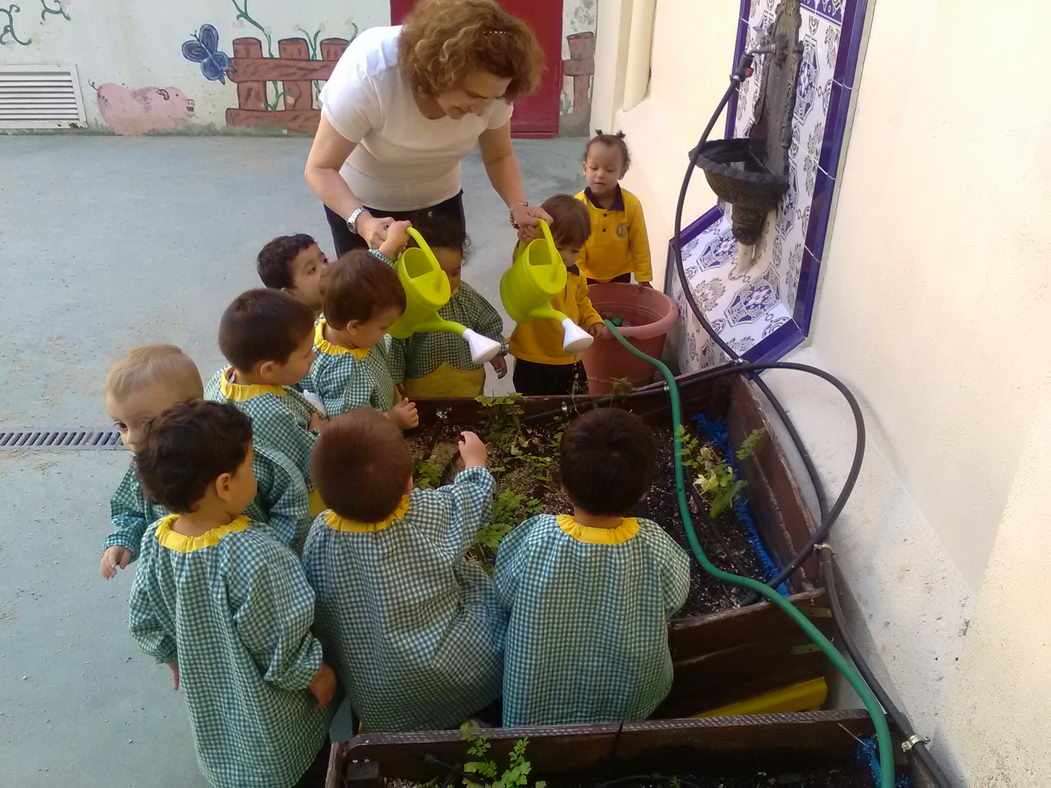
[(419, 241), (545, 231)]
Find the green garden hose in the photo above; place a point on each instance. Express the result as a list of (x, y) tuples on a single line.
[(879, 722)]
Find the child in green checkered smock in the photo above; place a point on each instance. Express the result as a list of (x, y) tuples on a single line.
[(281, 502), (226, 605), (589, 595), (267, 336), (356, 366), (438, 363), (348, 378), (411, 626), (141, 385)]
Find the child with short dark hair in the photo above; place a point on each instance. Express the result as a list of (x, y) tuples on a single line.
[(226, 605), (438, 363), (361, 299), (294, 263), (139, 386), (541, 366), (618, 246), (589, 595), (411, 626), (267, 336)]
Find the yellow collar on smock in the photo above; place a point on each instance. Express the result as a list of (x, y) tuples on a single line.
[(242, 392), (337, 523), (181, 543), (588, 534), (329, 349)]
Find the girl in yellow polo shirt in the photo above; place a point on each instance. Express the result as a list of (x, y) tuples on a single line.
[(618, 246)]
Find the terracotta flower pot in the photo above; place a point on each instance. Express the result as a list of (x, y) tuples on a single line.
[(650, 315)]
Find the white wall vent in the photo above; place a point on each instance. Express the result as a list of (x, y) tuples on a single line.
[(40, 97)]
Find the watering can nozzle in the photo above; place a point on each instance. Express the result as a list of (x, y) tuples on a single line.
[(574, 338), (482, 348)]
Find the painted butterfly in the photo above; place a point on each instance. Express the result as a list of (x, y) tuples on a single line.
[(204, 49)]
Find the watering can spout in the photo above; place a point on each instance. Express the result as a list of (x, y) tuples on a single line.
[(536, 276)]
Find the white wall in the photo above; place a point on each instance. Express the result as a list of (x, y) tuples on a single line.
[(138, 45), (932, 307)]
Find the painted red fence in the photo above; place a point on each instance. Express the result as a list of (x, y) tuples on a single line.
[(293, 70)]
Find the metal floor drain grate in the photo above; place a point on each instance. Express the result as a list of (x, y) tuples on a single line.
[(60, 439)]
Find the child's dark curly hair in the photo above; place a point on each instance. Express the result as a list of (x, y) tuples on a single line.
[(614, 141), (274, 262), (606, 461), (187, 448), (439, 232), (361, 464)]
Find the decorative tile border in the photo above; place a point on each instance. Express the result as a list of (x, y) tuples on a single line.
[(763, 310)]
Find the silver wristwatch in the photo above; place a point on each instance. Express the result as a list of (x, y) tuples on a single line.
[(352, 220)]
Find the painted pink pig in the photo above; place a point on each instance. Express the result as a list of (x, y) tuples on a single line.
[(130, 112)]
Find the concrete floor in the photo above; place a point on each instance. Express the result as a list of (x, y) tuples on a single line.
[(107, 243)]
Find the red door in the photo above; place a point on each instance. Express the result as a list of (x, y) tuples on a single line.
[(536, 115)]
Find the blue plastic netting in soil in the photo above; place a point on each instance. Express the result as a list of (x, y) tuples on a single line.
[(715, 431)]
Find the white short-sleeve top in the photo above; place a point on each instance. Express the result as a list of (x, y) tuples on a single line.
[(403, 161)]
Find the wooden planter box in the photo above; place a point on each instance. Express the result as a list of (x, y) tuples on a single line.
[(802, 742), (720, 657)]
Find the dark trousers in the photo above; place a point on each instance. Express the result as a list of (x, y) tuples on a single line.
[(345, 241), (625, 278), (538, 380)]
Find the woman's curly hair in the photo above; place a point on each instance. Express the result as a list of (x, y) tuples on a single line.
[(442, 41)]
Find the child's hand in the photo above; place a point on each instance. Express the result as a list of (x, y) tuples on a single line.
[(112, 557), (175, 674), (396, 240), (316, 422), (323, 687), (472, 450), (499, 365), (404, 414), (648, 285), (599, 331)]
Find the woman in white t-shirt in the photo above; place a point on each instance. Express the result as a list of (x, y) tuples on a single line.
[(405, 104)]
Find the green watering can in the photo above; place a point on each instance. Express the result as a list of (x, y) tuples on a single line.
[(426, 291), (535, 277)]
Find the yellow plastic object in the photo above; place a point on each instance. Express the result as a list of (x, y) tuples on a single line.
[(802, 696), (427, 290), (535, 277)]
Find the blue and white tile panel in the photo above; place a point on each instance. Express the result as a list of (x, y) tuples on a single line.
[(763, 310)]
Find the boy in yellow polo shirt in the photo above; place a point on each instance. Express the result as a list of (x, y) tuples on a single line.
[(541, 366), (618, 246)]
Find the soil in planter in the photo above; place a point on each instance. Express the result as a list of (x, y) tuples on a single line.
[(520, 473), (617, 320)]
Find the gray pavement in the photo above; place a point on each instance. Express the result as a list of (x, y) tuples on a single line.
[(107, 243)]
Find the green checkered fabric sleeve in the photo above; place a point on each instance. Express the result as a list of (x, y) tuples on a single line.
[(130, 513), (427, 351), (412, 627), (344, 383), (237, 616), (587, 637), (279, 421), (282, 499)]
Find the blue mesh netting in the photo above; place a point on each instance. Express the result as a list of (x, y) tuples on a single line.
[(715, 430), (865, 758)]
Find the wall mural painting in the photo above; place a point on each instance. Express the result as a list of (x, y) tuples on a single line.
[(131, 112), (203, 48), (9, 23), (272, 91)]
